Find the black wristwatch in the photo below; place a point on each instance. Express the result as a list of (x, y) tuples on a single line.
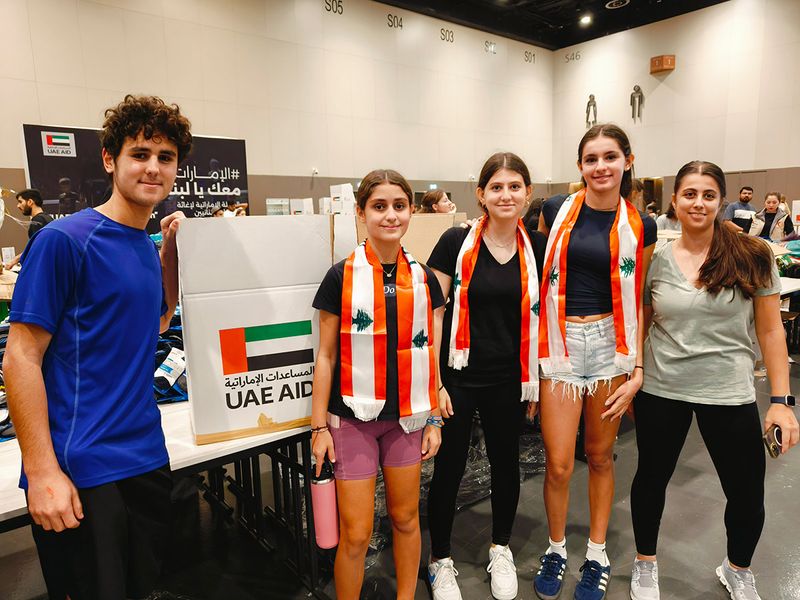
[(788, 400)]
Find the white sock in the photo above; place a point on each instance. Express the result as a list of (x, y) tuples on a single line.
[(597, 552), (559, 548)]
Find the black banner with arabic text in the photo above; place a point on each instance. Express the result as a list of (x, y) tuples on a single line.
[(65, 165)]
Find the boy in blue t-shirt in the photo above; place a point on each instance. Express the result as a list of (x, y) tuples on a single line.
[(87, 309)]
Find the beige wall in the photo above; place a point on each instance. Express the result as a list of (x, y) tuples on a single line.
[(306, 88), (733, 99), (345, 93)]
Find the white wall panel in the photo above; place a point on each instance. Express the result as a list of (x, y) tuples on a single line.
[(98, 25), (732, 99), (340, 146), (16, 59), (55, 41), (149, 65), (20, 104), (347, 92), (185, 41), (63, 104), (254, 127)]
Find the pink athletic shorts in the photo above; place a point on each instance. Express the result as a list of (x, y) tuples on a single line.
[(360, 446)]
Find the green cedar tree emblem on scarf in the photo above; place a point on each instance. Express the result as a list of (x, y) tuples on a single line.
[(535, 308), (362, 320), (553, 276), (628, 266), (420, 340), (456, 282)]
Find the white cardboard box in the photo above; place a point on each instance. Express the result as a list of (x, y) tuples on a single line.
[(250, 332), (253, 252)]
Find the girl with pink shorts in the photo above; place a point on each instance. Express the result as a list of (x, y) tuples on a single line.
[(376, 382)]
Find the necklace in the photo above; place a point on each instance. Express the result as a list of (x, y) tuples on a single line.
[(391, 271), (499, 245)]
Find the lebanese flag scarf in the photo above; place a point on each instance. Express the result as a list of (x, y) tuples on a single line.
[(627, 244), (362, 338), (529, 306)]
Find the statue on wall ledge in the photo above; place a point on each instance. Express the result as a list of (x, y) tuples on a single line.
[(591, 111), (637, 102)]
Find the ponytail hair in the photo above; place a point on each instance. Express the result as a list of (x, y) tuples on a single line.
[(734, 260)]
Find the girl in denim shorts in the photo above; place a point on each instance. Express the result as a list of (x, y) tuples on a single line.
[(375, 380), (590, 341)]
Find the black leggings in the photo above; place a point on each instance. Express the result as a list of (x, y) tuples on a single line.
[(501, 415), (732, 435)]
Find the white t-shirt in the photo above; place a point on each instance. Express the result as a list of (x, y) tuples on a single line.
[(228, 213)]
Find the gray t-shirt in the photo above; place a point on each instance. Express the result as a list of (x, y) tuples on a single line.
[(699, 347), (664, 223)]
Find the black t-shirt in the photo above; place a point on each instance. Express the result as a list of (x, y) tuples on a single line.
[(589, 256), (768, 219), (37, 223), (495, 293), (329, 299)]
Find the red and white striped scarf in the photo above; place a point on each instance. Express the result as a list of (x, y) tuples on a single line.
[(459, 333), (362, 339), (627, 244)]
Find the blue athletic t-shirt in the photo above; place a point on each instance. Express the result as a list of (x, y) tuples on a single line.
[(95, 285)]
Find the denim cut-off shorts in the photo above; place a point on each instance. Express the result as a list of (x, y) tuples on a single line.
[(591, 348)]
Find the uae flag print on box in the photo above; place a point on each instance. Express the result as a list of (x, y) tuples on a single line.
[(266, 347), (252, 360)]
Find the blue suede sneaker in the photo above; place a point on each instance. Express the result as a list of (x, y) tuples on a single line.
[(594, 582), (549, 579)]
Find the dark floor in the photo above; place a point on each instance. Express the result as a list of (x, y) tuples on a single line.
[(214, 560)]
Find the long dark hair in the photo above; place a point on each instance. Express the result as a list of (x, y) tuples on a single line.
[(733, 261), (616, 133), (502, 160)]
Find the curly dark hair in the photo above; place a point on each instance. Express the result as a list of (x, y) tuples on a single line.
[(150, 116)]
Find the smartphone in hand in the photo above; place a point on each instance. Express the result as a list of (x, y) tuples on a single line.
[(772, 440)]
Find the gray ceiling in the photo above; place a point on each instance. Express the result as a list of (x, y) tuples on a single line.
[(552, 24)]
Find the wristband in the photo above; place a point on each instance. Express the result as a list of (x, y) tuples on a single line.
[(441, 387), (319, 429), (638, 367), (434, 421)]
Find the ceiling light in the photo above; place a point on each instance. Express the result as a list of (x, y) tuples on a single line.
[(612, 4), (586, 20)]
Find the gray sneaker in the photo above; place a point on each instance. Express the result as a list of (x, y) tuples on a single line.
[(741, 584), (644, 580)]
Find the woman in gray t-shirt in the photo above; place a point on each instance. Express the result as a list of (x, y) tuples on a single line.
[(702, 294)]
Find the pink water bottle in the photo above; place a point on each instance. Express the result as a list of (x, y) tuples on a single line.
[(326, 515)]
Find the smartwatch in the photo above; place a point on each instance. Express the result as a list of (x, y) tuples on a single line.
[(788, 400)]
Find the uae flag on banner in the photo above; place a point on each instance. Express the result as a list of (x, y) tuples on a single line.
[(266, 347), (57, 140)]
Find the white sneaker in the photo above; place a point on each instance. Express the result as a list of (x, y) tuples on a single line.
[(740, 583), (644, 580), (442, 579), (504, 573)]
